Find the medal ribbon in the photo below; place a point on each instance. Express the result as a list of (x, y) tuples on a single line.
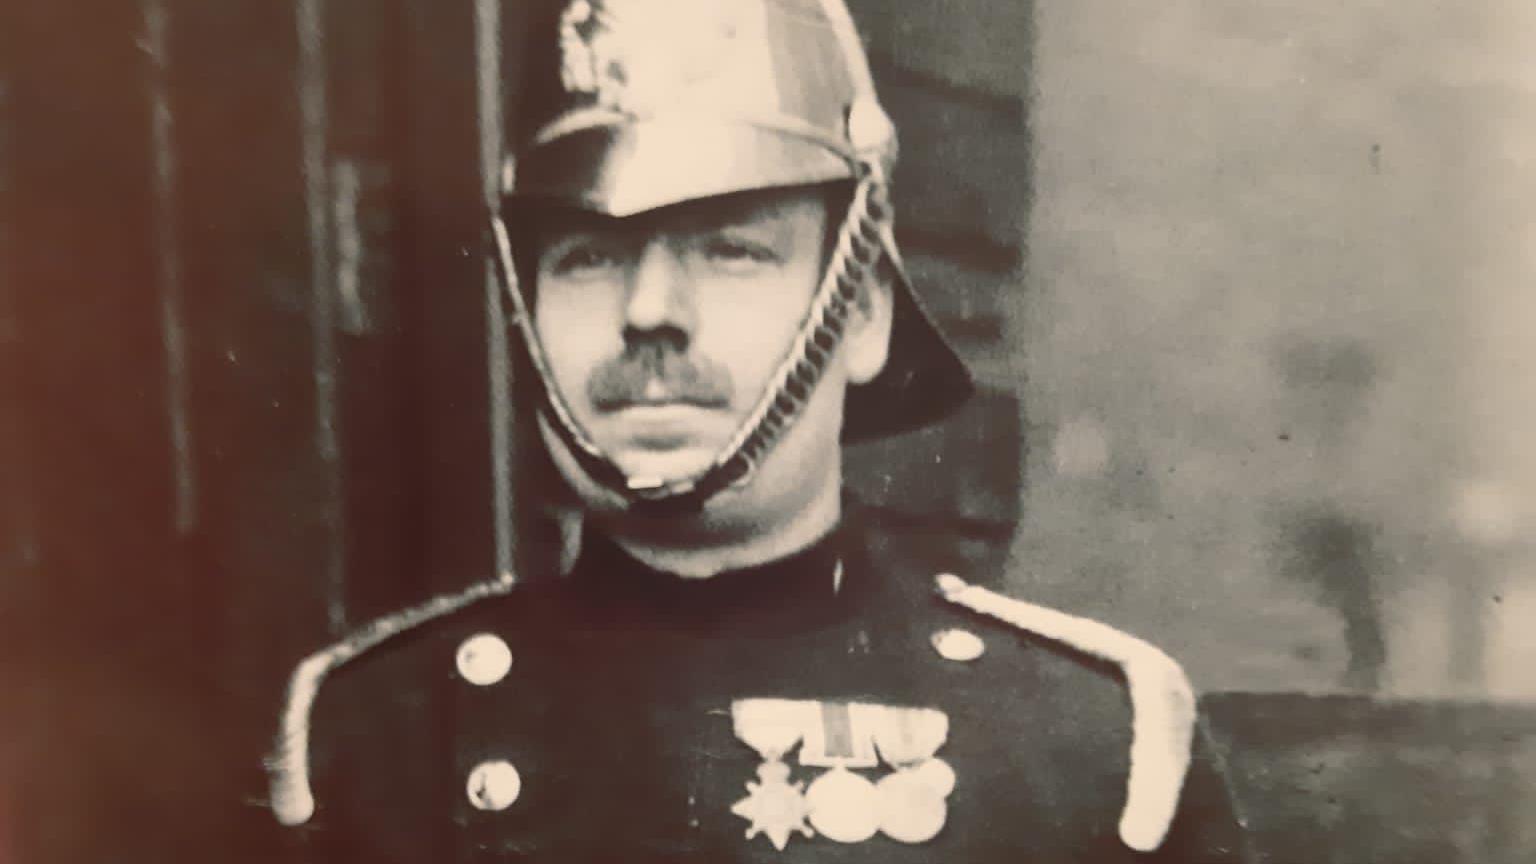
[(841, 735), (772, 727), (906, 736)]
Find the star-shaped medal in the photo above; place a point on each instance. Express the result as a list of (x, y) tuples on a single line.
[(775, 807)]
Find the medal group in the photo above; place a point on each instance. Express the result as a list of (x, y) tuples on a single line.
[(907, 805)]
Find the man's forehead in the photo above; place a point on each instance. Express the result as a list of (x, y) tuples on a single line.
[(762, 206)]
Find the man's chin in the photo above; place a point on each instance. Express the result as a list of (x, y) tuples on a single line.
[(665, 466)]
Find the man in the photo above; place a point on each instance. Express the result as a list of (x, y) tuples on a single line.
[(741, 665)]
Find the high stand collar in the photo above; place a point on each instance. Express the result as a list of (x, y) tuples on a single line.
[(816, 586)]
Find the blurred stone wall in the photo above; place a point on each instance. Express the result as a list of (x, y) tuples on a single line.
[(1278, 334)]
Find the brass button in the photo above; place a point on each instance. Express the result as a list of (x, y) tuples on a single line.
[(494, 785), (961, 646), (484, 659)]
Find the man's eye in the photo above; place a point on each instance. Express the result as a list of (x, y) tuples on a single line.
[(583, 259), (725, 250)]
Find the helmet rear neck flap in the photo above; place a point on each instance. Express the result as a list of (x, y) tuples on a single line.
[(795, 95)]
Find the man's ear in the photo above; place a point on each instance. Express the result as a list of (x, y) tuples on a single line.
[(867, 343)]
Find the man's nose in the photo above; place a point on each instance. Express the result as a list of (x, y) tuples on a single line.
[(660, 294)]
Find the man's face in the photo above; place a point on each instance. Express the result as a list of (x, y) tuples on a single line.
[(662, 329)]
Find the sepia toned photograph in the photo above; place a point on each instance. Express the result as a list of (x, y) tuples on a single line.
[(591, 431)]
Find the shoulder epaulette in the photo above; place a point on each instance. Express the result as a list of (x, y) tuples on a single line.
[(293, 802), (1162, 702)]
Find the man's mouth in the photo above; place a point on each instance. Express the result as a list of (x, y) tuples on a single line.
[(659, 422), (658, 394)]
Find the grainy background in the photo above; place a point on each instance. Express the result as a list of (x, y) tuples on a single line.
[(1247, 289), (1280, 335)]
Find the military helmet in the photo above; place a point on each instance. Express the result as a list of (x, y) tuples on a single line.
[(631, 105)]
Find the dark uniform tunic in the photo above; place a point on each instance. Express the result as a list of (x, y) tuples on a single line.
[(616, 714)]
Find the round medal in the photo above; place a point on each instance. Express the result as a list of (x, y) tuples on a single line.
[(936, 774), (909, 811), (842, 806)]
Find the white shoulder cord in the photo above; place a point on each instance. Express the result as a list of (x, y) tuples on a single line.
[(293, 801), (1162, 703)]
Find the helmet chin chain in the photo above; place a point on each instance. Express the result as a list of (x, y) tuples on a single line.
[(854, 263)]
